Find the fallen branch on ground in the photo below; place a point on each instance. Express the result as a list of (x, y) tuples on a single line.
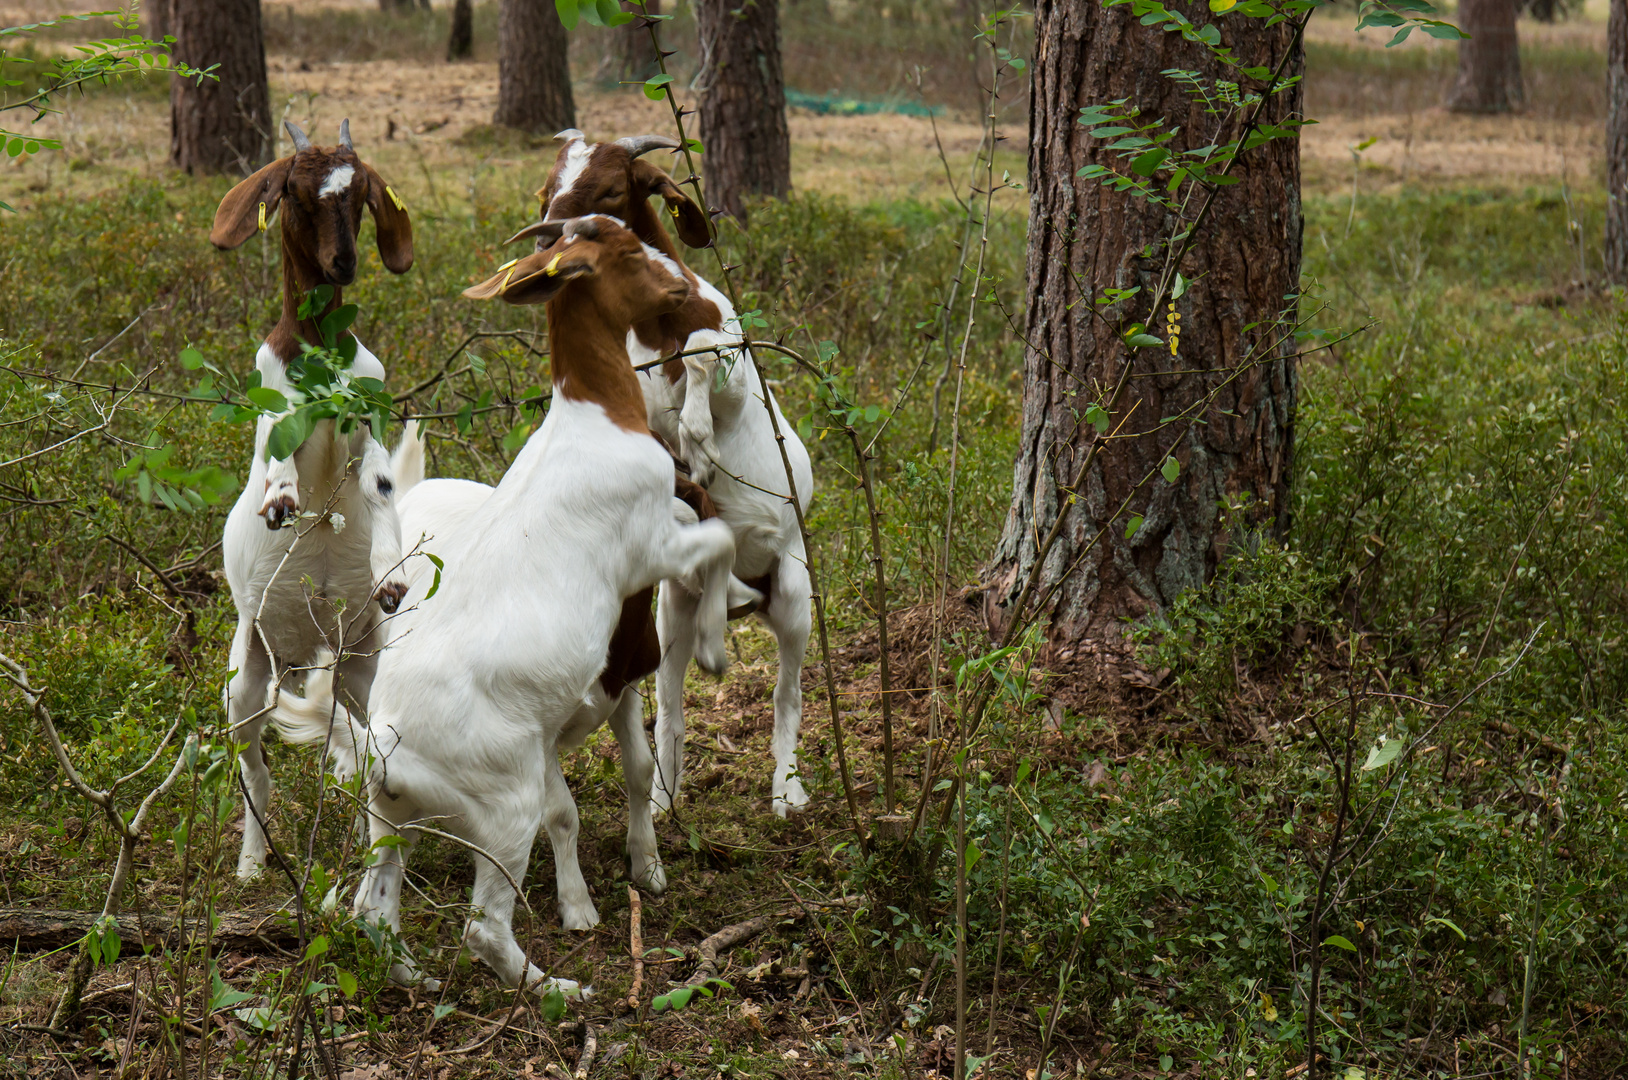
[(36, 930)]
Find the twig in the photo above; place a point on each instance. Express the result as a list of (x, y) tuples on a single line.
[(636, 945)]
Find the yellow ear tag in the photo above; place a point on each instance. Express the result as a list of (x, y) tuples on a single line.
[(553, 267), (390, 191), (509, 266), (262, 217)]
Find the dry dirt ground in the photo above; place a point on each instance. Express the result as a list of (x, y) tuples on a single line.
[(424, 120)]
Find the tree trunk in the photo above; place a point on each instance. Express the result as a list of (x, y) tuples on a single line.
[(743, 103), (155, 19), (1083, 238), (461, 39), (403, 5), (633, 57), (220, 126), (1616, 145), (1489, 60), (534, 72)]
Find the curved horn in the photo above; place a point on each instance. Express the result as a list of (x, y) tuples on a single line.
[(344, 134), (549, 230), (638, 145), (300, 140), (585, 227), (568, 135)]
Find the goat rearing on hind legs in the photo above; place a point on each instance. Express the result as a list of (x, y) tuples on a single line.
[(325, 578)]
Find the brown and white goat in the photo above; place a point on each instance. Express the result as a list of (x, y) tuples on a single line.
[(721, 430), (324, 578), (488, 680)]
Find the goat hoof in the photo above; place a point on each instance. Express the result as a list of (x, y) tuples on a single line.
[(791, 801), (390, 595), (278, 508)]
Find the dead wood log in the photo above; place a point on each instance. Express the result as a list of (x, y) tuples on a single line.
[(39, 929)]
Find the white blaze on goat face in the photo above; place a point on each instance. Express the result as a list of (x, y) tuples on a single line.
[(665, 263), (576, 159), (338, 182)]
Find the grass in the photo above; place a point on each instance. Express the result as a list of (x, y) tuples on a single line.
[(1458, 537)]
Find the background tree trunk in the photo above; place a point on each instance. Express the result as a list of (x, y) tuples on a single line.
[(403, 5), (743, 103), (534, 70), (222, 126), (1489, 60), (1083, 238), (155, 19), (632, 57), (461, 39), (1616, 145)]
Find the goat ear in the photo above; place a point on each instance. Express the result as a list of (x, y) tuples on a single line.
[(239, 215), (393, 227), (688, 218), (534, 279)]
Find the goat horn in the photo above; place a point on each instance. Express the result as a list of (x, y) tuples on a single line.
[(585, 227), (638, 145), (568, 135), (300, 140), (549, 229), (344, 134)]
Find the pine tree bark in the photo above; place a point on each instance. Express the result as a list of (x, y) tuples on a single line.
[(1616, 145), (1489, 60), (534, 70), (633, 57), (1084, 238), (222, 125), (743, 103), (461, 38)]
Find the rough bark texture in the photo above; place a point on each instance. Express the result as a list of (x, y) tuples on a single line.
[(38, 929), (632, 56), (534, 72), (743, 103), (1616, 145), (1084, 238), (461, 38), (1489, 60), (225, 125)]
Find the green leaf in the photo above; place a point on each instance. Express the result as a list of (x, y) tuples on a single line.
[(267, 398), (346, 981), (441, 1011), (191, 358), (1340, 943), (1180, 288), (1449, 923), (1132, 525), (974, 853), (288, 433), (1170, 470), (1146, 164), (872, 413), (611, 13), (553, 1006), (1142, 341), (567, 10), (516, 438), (1097, 417), (675, 1000), (655, 88), (317, 947), (222, 996), (434, 585), (337, 322), (1383, 755)]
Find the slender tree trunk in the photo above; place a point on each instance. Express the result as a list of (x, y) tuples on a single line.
[(1616, 145), (156, 18), (1084, 238), (534, 71), (461, 39), (1489, 60), (743, 103), (220, 126), (632, 56)]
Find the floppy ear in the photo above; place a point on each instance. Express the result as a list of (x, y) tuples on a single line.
[(393, 228), (534, 279), (689, 219), (239, 216)]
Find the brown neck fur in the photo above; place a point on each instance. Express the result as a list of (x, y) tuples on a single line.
[(588, 355), (300, 276), (667, 333)]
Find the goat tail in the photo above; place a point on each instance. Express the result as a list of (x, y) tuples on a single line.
[(319, 718), (407, 463)]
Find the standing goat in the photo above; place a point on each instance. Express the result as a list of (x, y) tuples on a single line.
[(519, 653), (348, 543), (721, 430)]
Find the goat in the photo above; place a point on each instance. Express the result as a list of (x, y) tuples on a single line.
[(349, 547), (721, 431), (518, 652)]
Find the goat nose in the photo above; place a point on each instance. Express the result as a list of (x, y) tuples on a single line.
[(343, 270)]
